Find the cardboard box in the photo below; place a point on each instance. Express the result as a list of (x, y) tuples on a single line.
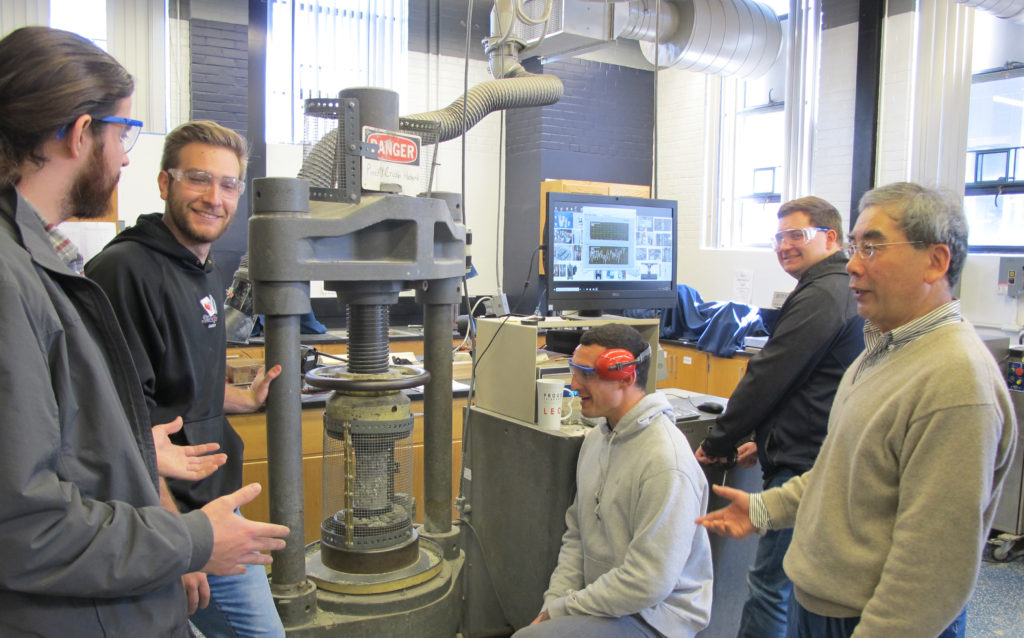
[(242, 370)]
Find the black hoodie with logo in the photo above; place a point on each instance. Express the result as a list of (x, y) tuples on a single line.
[(170, 307)]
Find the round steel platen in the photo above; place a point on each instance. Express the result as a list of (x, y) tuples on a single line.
[(338, 377), (426, 567)]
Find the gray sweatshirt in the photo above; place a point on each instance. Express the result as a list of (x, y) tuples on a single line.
[(631, 545)]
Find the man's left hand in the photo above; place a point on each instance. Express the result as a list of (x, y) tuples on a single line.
[(186, 462), (746, 454)]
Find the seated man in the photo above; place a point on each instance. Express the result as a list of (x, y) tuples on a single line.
[(632, 563)]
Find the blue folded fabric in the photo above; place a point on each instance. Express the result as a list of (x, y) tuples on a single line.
[(717, 327)]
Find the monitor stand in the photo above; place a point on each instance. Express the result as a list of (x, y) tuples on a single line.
[(590, 314)]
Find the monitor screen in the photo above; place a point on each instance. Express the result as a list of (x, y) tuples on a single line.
[(607, 253)]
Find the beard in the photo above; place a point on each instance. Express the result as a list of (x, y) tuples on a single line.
[(177, 214), (92, 189)]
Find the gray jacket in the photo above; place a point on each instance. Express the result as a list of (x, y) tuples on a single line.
[(88, 550), (631, 545)]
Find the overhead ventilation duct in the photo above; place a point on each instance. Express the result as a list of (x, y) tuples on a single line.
[(1007, 9), (742, 38)]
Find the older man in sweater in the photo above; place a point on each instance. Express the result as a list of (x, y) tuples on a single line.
[(920, 435)]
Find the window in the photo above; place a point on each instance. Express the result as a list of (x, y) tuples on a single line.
[(87, 18), (752, 145), (315, 49), (752, 172), (994, 191)]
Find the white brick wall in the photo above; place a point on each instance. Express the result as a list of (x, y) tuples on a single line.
[(896, 100), (833, 135)]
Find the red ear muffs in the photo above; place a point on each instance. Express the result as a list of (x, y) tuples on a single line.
[(618, 363)]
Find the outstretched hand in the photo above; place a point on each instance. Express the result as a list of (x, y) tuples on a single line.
[(732, 520), (186, 462), (238, 542)]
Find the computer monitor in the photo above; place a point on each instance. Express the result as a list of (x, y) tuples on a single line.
[(607, 253)]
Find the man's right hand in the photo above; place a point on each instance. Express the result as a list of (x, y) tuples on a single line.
[(704, 458), (541, 617), (732, 520), (197, 591), (238, 542)]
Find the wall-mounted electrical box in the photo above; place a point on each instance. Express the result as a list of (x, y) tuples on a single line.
[(1011, 276)]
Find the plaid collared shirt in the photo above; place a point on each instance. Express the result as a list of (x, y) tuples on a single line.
[(64, 247), (878, 345)]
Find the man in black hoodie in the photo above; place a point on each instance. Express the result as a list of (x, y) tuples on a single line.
[(786, 394), (169, 299)]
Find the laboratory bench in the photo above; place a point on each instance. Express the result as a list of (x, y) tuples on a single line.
[(697, 371)]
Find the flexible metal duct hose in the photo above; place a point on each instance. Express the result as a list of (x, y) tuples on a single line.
[(318, 166), (494, 95)]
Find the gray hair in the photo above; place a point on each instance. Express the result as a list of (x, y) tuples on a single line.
[(925, 215)]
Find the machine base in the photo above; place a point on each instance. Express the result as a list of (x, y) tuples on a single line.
[(430, 609)]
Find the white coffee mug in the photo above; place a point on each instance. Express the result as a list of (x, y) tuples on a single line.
[(549, 403)]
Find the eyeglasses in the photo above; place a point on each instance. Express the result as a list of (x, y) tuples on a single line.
[(129, 134), (795, 236), (201, 181), (867, 249)]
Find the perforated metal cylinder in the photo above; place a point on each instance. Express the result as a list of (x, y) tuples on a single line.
[(367, 481)]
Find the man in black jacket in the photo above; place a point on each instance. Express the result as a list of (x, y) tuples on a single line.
[(169, 298), (786, 394)]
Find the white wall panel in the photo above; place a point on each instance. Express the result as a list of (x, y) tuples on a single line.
[(22, 13), (137, 37)]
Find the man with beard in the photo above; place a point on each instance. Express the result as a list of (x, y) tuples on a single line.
[(168, 296), (89, 550)]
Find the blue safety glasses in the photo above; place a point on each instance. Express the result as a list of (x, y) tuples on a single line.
[(129, 132), (585, 371)]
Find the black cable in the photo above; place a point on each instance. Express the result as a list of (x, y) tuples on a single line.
[(526, 280), (487, 569)]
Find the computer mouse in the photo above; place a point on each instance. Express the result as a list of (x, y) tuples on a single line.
[(711, 406)]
